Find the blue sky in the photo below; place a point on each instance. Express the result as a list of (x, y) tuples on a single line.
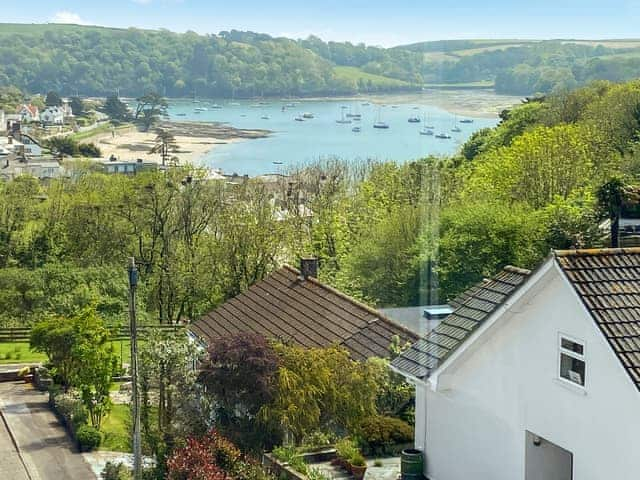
[(378, 22)]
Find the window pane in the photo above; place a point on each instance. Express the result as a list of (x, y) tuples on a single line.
[(572, 369), (572, 346)]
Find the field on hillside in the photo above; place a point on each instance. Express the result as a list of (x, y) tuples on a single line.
[(354, 73)]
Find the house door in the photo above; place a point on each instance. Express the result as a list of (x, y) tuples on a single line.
[(546, 461)]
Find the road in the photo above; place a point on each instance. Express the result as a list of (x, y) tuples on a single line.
[(46, 449)]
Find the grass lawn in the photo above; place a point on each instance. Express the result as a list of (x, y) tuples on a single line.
[(115, 429), (19, 352), (99, 130), (354, 73)]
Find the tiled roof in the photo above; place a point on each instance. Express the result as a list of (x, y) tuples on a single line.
[(305, 312), (472, 308), (608, 282)]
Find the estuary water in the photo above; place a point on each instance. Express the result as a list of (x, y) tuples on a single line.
[(293, 142)]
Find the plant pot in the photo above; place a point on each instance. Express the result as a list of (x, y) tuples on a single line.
[(358, 472)]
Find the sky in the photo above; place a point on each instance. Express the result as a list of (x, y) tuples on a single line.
[(375, 22)]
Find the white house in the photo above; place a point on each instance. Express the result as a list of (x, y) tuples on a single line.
[(535, 375), (52, 115), (28, 113)]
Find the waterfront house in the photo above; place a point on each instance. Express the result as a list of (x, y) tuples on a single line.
[(28, 113), (293, 306), (535, 375)]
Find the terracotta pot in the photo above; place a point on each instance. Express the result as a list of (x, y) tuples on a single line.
[(358, 472)]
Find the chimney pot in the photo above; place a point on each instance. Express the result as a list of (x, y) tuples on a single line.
[(309, 267)]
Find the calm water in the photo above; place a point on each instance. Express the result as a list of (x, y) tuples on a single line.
[(294, 143)]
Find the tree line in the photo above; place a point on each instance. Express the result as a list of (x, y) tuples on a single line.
[(101, 61)]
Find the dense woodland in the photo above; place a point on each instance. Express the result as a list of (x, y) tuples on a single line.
[(99, 61), (389, 234)]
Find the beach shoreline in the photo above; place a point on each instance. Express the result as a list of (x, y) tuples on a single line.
[(193, 140)]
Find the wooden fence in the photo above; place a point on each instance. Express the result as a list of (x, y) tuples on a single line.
[(21, 334)]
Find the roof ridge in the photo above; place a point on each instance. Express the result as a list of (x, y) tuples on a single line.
[(357, 303), (596, 251), (513, 269)]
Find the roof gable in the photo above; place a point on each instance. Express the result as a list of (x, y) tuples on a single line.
[(608, 283), (472, 308), (305, 312)]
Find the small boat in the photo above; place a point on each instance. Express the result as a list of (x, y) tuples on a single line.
[(456, 129), (416, 108), (466, 120), (307, 115), (299, 118), (356, 129), (234, 104), (216, 106), (290, 105), (379, 123), (343, 119), (265, 117), (243, 114), (414, 120), (394, 106), (200, 109), (443, 135), (181, 114), (365, 104), (430, 127), (355, 116), (426, 131)]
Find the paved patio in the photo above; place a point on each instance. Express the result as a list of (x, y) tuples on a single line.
[(390, 469)]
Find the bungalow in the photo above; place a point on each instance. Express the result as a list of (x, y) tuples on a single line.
[(535, 375), (28, 113), (295, 307)]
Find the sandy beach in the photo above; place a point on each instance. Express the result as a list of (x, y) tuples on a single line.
[(193, 141), (479, 103), (131, 144)]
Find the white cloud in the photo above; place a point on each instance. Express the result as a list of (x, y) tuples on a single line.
[(65, 16)]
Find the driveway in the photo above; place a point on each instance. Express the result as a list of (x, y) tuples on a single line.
[(46, 449)]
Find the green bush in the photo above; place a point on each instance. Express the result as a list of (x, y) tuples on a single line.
[(291, 456), (346, 449), (379, 434), (317, 474), (115, 471), (358, 460), (317, 440), (88, 437)]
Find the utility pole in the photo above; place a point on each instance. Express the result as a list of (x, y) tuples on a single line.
[(133, 330)]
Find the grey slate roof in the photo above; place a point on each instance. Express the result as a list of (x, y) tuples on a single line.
[(472, 308), (305, 312), (608, 283)]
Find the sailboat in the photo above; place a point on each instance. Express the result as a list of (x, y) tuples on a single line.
[(356, 116), (414, 120), (379, 123), (342, 118), (426, 130), (466, 120), (443, 135), (456, 128)]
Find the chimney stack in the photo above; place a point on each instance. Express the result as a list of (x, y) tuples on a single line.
[(308, 268)]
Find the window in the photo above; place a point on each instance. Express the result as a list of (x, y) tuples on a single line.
[(572, 361)]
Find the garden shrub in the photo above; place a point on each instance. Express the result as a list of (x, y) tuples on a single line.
[(379, 434), (115, 471), (88, 437), (346, 449)]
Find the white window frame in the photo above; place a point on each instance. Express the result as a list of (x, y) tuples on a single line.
[(572, 354)]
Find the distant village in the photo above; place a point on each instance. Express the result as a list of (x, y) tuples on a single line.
[(22, 150)]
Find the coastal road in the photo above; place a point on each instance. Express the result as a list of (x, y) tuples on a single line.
[(46, 449)]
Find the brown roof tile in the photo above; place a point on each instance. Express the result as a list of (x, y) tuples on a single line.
[(305, 312), (608, 283), (472, 308)]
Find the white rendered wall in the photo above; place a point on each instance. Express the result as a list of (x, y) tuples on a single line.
[(507, 383)]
